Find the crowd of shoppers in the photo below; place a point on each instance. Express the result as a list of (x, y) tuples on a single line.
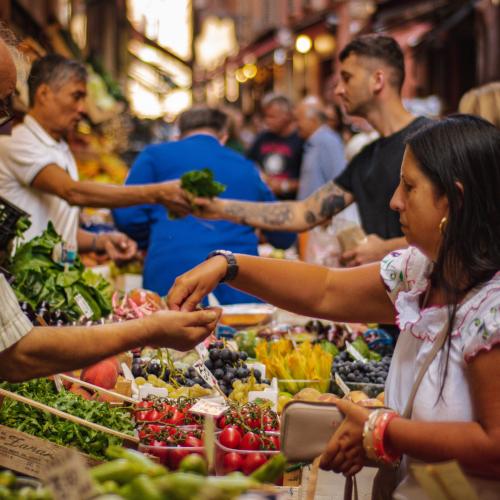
[(427, 193)]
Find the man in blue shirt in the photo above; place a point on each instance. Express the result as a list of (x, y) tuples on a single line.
[(175, 246)]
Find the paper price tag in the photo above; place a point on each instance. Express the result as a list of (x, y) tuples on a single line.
[(205, 373), (342, 385), (68, 477), (208, 407), (202, 351), (354, 352), (84, 306)]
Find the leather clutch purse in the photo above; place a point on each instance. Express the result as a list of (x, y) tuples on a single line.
[(306, 428)]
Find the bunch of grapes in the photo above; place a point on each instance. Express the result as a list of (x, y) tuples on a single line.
[(374, 372), (50, 317), (228, 366)]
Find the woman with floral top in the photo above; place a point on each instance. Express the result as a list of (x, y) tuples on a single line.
[(447, 281)]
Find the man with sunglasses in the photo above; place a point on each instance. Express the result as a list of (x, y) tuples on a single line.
[(27, 351), (38, 171)]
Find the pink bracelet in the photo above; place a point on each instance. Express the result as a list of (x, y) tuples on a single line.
[(379, 430)]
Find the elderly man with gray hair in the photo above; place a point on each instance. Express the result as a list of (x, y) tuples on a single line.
[(323, 158)]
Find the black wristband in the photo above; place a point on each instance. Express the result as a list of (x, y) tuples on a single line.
[(232, 265)]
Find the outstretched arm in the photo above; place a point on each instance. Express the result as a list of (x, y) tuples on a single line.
[(294, 216), (48, 350), (337, 294)]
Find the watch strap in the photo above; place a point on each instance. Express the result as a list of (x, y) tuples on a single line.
[(232, 264)]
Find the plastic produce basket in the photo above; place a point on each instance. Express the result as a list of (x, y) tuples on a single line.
[(245, 457), (171, 456)]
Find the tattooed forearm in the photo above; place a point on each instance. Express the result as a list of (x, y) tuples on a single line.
[(325, 203), (332, 205), (264, 215)]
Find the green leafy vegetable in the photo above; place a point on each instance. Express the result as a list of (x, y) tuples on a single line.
[(201, 183), (22, 225), (44, 425), (39, 278)]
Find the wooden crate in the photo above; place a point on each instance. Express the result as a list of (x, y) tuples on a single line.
[(28, 454)]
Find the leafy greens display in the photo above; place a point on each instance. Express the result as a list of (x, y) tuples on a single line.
[(38, 423), (39, 278)]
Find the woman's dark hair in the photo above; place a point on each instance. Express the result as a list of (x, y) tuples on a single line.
[(460, 155)]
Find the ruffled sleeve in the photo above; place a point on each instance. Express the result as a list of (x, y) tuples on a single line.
[(482, 332), (404, 270)]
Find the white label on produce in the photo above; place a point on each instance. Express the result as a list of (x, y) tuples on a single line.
[(354, 352), (342, 384), (207, 407), (202, 351), (84, 306), (205, 373)]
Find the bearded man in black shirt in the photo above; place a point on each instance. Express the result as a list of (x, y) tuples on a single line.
[(371, 76)]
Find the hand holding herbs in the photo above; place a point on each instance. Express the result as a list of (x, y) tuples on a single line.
[(44, 425), (200, 184)]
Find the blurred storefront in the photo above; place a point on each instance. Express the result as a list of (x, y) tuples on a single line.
[(291, 46)]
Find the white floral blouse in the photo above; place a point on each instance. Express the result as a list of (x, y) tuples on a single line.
[(476, 328)]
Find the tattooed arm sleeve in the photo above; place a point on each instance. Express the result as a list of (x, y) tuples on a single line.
[(297, 216)]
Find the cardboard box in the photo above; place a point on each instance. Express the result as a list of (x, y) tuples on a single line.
[(28, 454)]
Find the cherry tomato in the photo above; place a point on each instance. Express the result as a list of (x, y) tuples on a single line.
[(192, 442), (253, 423), (176, 417), (270, 443), (154, 415), (141, 416), (232, 462), (230, 437), (144, 404), (250, 441), (252, 462)]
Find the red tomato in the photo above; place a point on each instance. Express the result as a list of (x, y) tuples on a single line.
[(192, 442), (250, 441), (253, 423), (270, 423), (270, 443), (230, 437), (232, 462), (154, 415), (144, 404), (175, 417), (252, 462), (141, 416)]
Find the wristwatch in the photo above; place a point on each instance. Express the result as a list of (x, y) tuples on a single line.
[(232, 265)]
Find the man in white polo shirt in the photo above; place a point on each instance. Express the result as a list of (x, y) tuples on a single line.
[(38, 172)]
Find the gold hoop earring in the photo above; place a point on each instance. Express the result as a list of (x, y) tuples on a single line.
[(443, 224)]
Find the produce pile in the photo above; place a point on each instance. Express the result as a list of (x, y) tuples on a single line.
[(40, 282), (374, 372), (38, 423), (228, 367), (131, 475)]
